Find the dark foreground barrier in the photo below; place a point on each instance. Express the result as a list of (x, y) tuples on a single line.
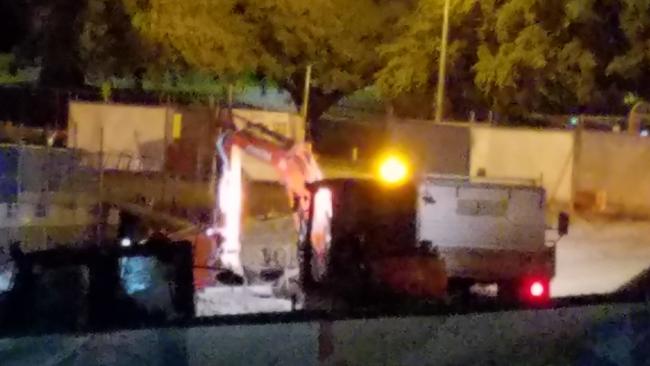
[(98, 287), (586, 335)]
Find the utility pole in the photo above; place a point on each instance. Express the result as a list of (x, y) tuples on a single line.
[(304, 108), (442, 67), (100, 214), (230, 95)]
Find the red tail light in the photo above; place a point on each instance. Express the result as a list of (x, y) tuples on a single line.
[(537, 289)]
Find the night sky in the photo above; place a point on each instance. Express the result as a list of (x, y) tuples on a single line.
[(11, 24)]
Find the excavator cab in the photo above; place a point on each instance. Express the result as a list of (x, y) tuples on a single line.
[(361, 234)]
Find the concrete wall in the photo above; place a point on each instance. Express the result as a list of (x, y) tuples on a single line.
[(441, 149), (613, 164), (544, 155), (462, 149), (525, 153), (337, 139), (191, 153), (619, 166), (137, 131), (582, 336), (145, 133)]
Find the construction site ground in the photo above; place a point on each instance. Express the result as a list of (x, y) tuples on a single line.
[(597, 257), (266, 244)]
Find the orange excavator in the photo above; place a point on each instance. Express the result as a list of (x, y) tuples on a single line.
[(357, 238)]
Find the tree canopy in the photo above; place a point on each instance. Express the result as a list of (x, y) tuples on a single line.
[(411, 60), (13, 24), (520, 56), (277, 39), (510, 56), (109, 45)]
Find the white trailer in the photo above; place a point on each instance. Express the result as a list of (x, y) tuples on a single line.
[(489, 232)]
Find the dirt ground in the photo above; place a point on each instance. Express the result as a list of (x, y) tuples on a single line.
[(268, 243), (597, 256), (601, 256)]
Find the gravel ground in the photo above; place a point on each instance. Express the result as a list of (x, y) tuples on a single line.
[(597, 257), (269, 243), (265, 244), (226, 300)]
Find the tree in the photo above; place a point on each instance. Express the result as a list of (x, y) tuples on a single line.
[(552, 56), (633, 61), (13, 23), (109, 45), (52, 41), (528, 61), (77, 41), (277, 39), (411, 60), (518, 56)]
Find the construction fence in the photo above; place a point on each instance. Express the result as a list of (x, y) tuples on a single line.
[(53, 196), (589, 170), (167, 154), (47, 196)]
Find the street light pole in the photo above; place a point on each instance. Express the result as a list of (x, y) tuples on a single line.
[(305, 94), (442, 67), (304, 108)]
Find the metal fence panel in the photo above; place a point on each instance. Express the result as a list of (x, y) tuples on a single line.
[(9, 157)]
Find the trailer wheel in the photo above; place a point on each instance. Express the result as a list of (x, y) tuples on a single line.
[(305, 276), (508, 292), (459, 291)]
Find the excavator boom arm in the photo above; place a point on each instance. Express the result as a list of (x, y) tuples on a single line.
[(294, 162)]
